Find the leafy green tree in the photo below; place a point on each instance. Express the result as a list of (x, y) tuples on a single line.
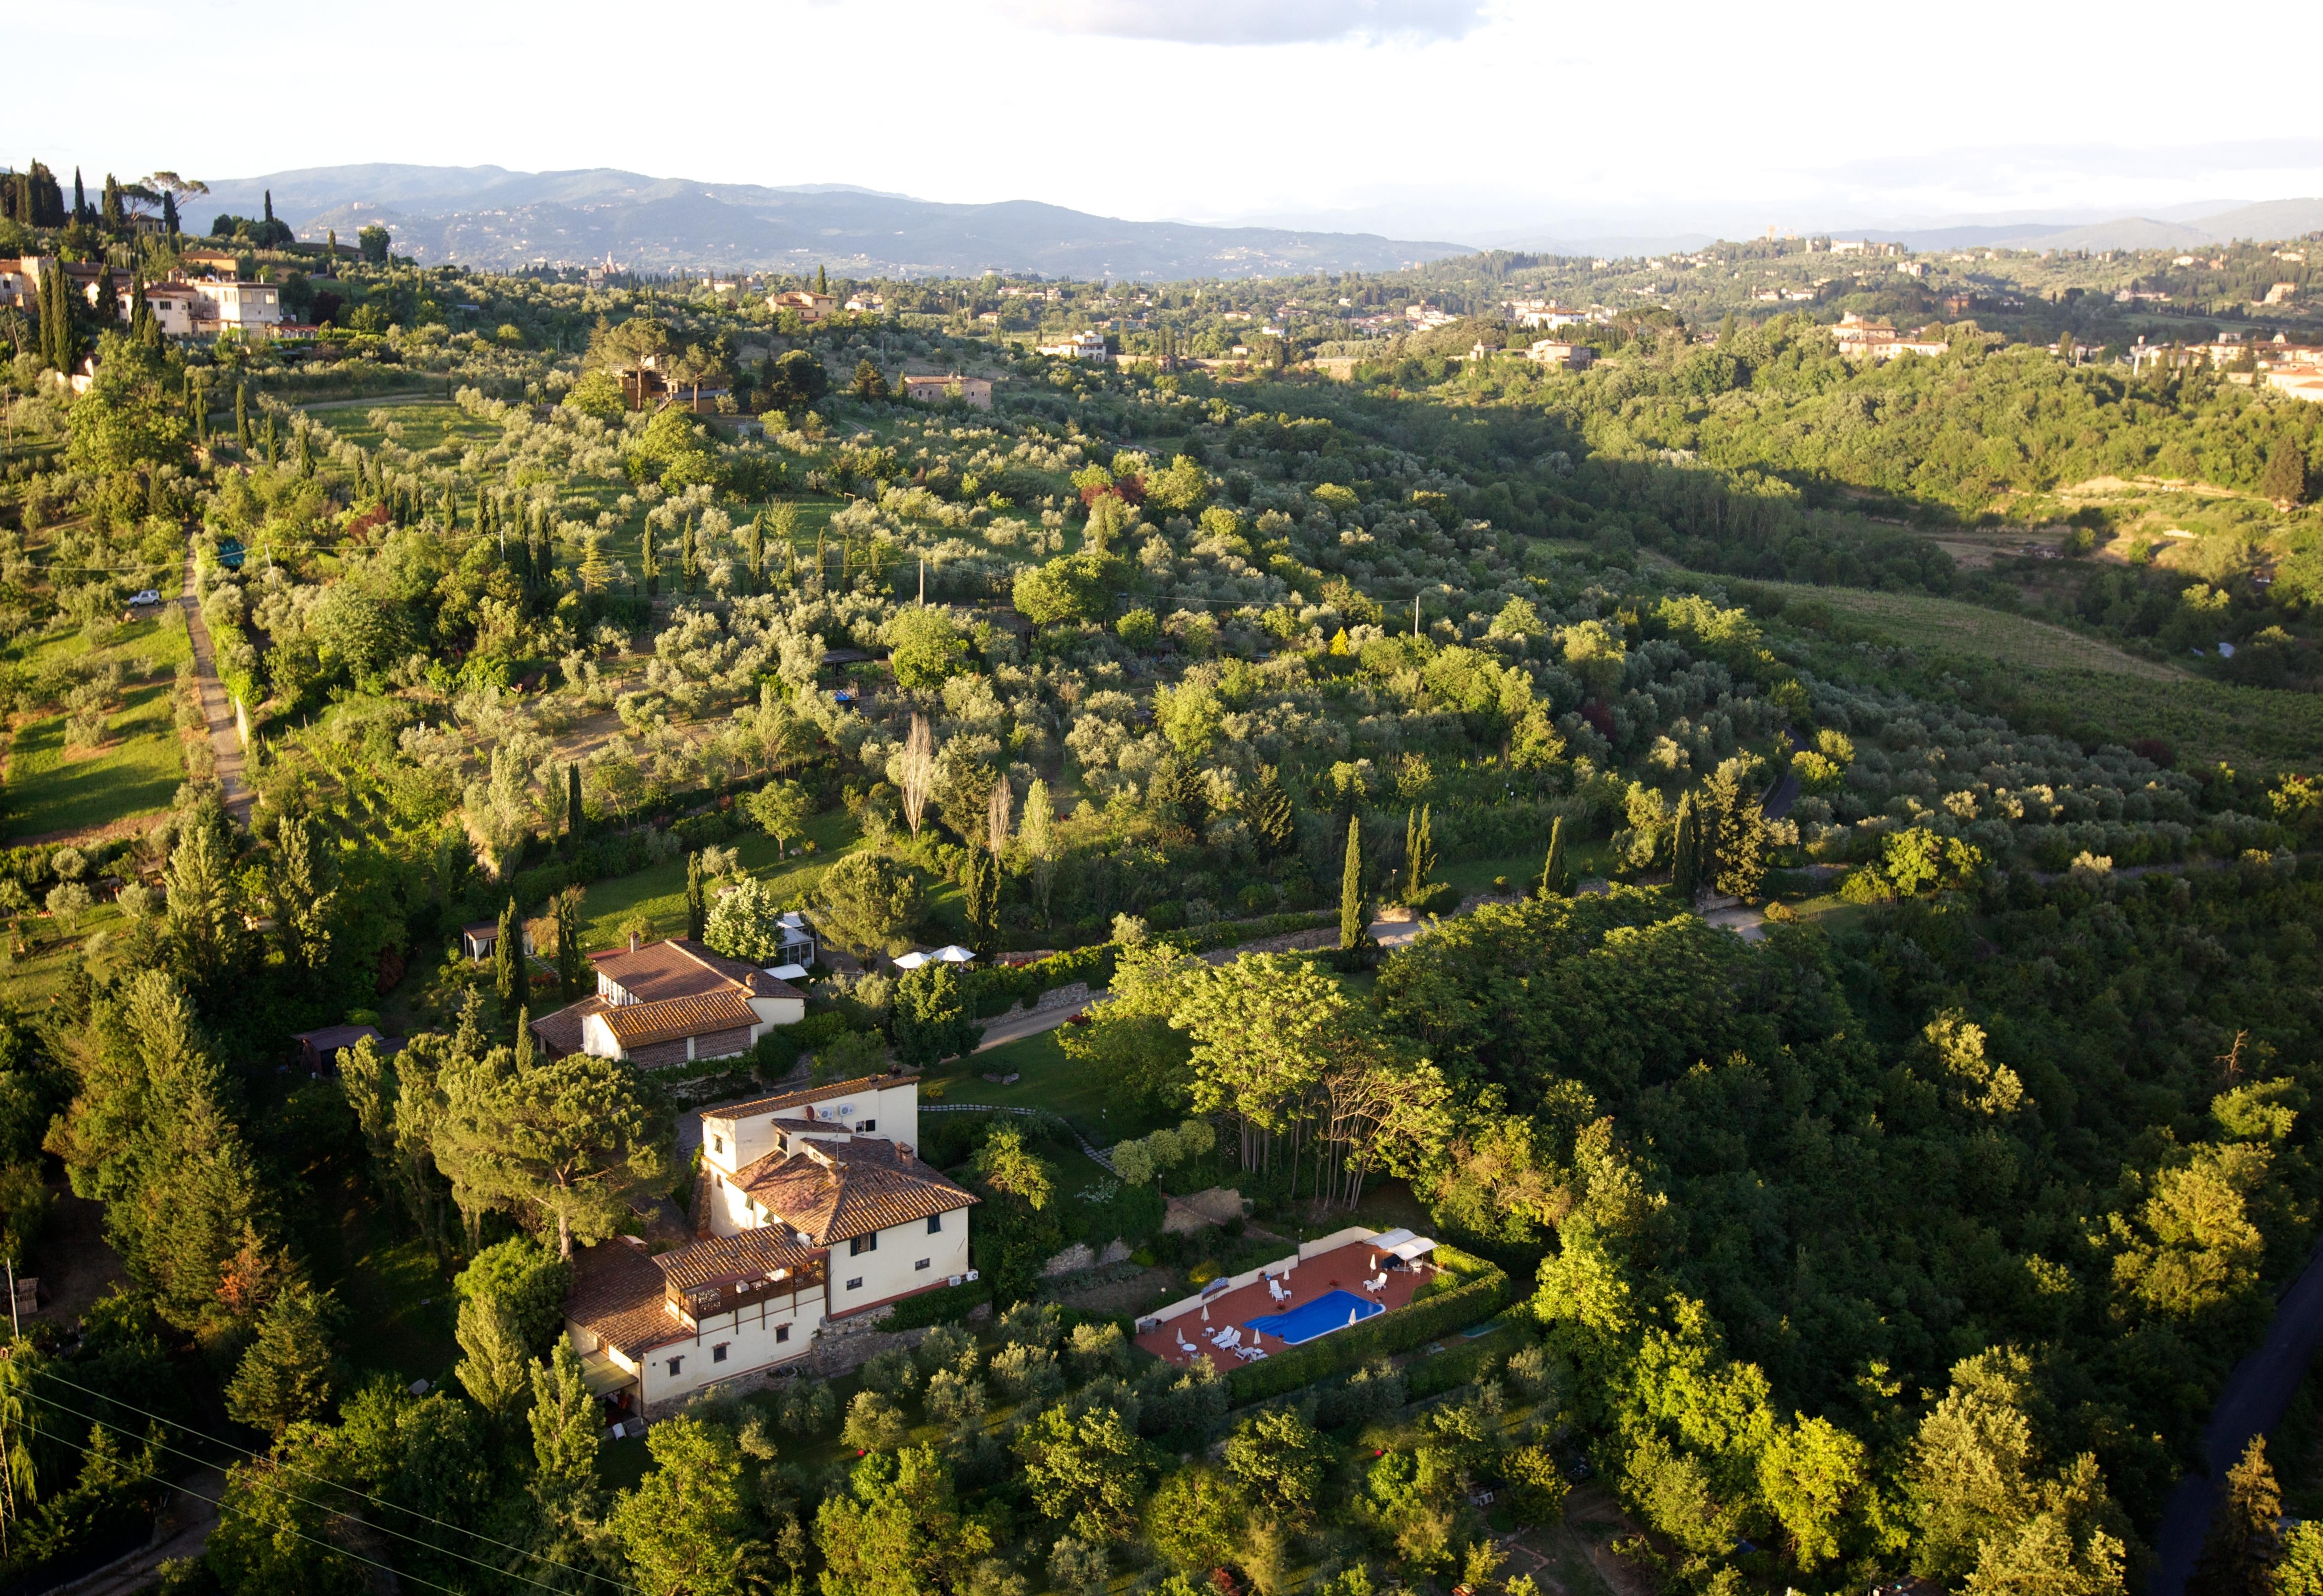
[(1808, 1474), (782, 810), (289, 1373), (925, 646), (1280, 1461), (688, 1528), (932, 1018), (372, 242), (871, 902), (2300, 1572), (566, 1431), (1272, 819), (2285, 480), (1086, 1473), (496, 1373), (271, 1535), (897, 1529), (745, 923), (1076, 587), (874, 1424), (568, 1137), (1195, 1520), (527, 1281)]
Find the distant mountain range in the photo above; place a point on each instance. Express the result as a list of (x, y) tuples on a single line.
[(490, 216)]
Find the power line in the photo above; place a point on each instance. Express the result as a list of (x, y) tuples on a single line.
[(318, 1507), (50, 1374), (219, 1504)]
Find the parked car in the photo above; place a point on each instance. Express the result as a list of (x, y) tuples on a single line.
[(145, 596)]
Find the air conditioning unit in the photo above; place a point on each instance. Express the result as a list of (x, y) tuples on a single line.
[(972, 1274)]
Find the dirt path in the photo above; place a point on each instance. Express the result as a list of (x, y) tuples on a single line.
[(182, 1528), (379, 398), (217, 708)]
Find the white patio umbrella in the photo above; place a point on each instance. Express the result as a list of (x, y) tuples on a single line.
[(953, 954)]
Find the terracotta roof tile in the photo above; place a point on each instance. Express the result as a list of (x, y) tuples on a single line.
[(753, 1254), (618, 1294), (681, 968), (837, 1088), (838, 1190), (560, 1032), (641, 1024)]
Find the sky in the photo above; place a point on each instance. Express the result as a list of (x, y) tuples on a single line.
[(1472, 121)]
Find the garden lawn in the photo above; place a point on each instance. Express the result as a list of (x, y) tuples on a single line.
[(400, 1310), (1084, 1096), (137, 771)]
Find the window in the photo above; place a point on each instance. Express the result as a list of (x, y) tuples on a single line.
[(676, 1364), (718, 1353), (853, 1285), (782, 1332), (718, 1144), (922, 1263), (935, 1225), (868, 1124), (862, 1244)]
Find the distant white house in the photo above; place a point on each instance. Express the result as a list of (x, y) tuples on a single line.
[(1079, 346)]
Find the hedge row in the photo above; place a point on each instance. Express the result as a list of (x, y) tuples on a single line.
[(945, 1304), (1379, 1336)]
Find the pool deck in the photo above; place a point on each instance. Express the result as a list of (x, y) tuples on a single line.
[(1344, 1269)]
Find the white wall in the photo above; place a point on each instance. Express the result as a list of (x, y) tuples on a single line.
[(894, 1267)]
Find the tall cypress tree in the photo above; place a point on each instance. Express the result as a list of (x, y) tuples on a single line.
[(1352, 925), (169, 215), (1555, 880), (1271, 814), (1686, 852), (242, 417), (1418, 853), (80, 198), (697, 909), (505, 966), (648, 566), (142, 327), (576, 822)]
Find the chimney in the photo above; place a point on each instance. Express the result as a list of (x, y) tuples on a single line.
[(633, 941)]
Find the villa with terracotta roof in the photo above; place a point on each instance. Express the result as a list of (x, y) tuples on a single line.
[(669, 1003), (809, 1207)]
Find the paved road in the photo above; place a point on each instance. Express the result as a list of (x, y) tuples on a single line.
[(2251, 1403), (217, 708), (187, 1517)]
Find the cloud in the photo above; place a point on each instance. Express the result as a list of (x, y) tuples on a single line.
[(1254, 22)]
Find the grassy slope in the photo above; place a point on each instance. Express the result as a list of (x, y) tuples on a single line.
[(139, 767), (2051, 678)]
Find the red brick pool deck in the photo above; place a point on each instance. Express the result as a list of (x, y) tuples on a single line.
[(1342, 1268)]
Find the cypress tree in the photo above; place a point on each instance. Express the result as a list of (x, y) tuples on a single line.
[(685, 554), (697, 911), (1418, 853), (80, 198), (108, 297), (504, 956), (571, 968), (270, 205), (757, 551), (646, 565), (242, 417), (142, 327), (1555, 880), (576, 822), (981, 886), (169, 215), (1352, 925), (1685, 853)]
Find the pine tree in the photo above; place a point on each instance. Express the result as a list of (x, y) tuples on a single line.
[(1272, 817), (1685, 853), (2285, 480), (1353, 926), (697, 911), (576, 824), (2239, 1558), (504, 958), (1555, 880)]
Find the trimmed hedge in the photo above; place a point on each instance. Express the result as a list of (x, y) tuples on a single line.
[(1481, 1297), (945, 1304)]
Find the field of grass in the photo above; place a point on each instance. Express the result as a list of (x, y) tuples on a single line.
[(136, 771), (1948, 626), (2047, 678), (1083, 1095)]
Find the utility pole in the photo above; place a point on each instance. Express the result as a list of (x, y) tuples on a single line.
[(1415, 615)]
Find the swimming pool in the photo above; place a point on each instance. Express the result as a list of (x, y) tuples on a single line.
[(1326, 1314)]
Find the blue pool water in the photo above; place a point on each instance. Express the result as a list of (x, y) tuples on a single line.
[(1318, 1317)]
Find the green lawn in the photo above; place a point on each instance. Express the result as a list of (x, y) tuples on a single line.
[(137, 772), (1584, 859), (658, 891), (1083, 1094)]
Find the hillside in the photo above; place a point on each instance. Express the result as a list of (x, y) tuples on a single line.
[(492, 217)]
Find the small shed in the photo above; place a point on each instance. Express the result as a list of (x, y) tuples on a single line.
[(319, 1051), (478, 940)]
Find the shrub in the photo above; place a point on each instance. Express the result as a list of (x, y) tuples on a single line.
[(946, 1305)]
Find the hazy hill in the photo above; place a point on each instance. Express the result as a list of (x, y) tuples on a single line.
[(490, 217)]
